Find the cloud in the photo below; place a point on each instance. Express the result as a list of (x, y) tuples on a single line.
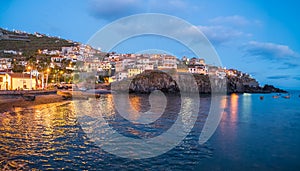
[(114, 9), (216, 33), (220, 34), (233, 20), (276, 77), (289, 65), (167, 5), (269, 50)]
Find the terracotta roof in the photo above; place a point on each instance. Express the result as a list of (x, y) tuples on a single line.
[(19, 75)]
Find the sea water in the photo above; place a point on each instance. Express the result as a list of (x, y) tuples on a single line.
[(253, 134)]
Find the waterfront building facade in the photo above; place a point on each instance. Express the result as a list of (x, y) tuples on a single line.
[(17, 81)]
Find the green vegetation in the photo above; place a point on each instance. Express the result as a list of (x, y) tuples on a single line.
[(30, 48)]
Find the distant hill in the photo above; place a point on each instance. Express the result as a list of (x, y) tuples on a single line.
[(29, 43)]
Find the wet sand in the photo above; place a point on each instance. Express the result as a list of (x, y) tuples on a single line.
[(8, 103)]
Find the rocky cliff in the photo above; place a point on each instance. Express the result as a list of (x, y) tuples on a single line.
[(178, 82)]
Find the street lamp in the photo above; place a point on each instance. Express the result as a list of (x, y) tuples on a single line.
[(54, 77), (29, 68), (47, 71), (61, 73), (72, 77)]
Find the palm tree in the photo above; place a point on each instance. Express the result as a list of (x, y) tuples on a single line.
[(42, 67), (31, 65)]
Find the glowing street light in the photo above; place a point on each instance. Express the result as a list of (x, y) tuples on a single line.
[(29, 68), (47, 71), (61, 73)]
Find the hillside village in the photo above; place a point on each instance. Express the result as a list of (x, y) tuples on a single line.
[(45, 68)]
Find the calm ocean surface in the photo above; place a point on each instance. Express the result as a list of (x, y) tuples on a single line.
[(253, 134)]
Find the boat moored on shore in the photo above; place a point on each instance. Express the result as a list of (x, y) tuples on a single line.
[(28, 97)]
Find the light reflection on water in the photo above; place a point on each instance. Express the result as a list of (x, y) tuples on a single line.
[(49, 137), (253, 134), (32, 132), (246, 106), (257, 134)]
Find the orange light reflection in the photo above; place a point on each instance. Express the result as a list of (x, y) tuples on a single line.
[(234, 107)]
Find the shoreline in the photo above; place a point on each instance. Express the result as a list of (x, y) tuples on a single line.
[(15, 100), (108, 91), (20, 92), (10, 103), (9, 99)]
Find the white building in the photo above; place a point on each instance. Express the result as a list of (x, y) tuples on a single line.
[(144, 63), (121, 75), (201, 61), (231, 73), (169, 62), (221, 74), (5, 63), (119, 66), (134, 71), (57, 59), (17, 81), (212, 70), (128, 63), (198, 69)]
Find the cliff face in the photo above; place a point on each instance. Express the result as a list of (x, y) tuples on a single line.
[(172, 83), (241, 85)]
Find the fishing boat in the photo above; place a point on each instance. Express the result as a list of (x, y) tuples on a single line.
[(287, 96), (276, 97), (67, 97), (97, 96), (72, 96), (28, 97)]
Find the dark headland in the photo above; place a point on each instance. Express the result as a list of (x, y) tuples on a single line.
[(157, 80)]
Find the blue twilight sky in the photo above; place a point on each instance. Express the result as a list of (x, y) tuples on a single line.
[(257, 37)]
